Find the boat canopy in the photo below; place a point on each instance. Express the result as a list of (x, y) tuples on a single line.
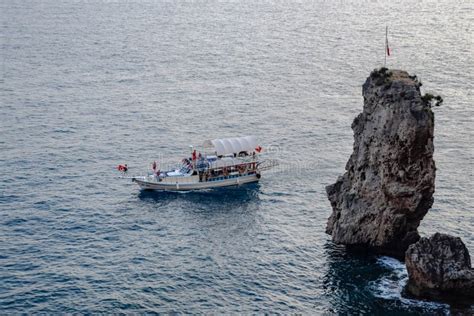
[(235, 145)]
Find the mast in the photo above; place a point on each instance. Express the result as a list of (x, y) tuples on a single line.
[(386, 47)]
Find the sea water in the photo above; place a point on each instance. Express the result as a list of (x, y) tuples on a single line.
[(87, 85)]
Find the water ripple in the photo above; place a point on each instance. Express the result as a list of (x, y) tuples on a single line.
[(88, 85)]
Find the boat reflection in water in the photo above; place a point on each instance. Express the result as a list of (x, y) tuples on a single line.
[(226, 198)]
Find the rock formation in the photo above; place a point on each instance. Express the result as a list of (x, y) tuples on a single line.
[(439, 267), (389, 180)]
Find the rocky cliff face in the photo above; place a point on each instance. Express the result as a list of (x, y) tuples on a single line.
[(389, 180), (439, 267)]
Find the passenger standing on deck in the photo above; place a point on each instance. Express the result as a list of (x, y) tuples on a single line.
[(194, 158)]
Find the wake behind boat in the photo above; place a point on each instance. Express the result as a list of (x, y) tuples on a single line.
[(221, 163)]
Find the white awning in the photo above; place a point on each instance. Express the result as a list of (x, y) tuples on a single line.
[(225, 146)]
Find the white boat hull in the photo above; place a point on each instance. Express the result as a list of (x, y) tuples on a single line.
[(192, 185)]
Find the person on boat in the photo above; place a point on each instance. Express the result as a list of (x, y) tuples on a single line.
[(194, 157), (185, 162), (155, 168)]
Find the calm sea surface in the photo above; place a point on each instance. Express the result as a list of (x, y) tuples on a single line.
[(86, 85)]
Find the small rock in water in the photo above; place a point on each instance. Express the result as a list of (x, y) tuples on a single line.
[(439, 267)]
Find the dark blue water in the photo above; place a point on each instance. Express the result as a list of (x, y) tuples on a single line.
[(86, 85)]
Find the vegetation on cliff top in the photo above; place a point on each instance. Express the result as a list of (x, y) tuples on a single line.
[(430, 99), (382, 76)]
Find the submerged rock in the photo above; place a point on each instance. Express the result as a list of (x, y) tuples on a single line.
[(439, 267), (389, 181)]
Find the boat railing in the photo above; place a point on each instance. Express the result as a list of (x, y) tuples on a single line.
[(267, 164)]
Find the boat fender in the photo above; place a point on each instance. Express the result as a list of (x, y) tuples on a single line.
[(259, 175), (133, 179)]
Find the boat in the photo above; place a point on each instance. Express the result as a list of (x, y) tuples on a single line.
[(219, 163)]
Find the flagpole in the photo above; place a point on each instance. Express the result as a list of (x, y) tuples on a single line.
[(385, 48)]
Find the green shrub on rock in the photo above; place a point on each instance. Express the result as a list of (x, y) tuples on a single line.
[(430, 99)]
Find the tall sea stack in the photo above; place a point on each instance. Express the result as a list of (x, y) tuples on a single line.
[(389, 181)]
